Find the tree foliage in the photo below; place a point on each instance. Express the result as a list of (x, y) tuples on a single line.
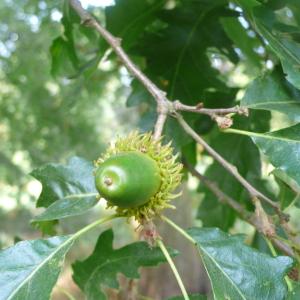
[(205, 55)]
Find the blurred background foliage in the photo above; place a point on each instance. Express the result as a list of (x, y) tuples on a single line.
[(46, 118), (63, 93)]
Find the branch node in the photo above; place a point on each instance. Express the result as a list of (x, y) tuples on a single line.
[(117, 41), (149, 232), (223, 122), (243, 111), (199, 105), (88, 21), (262, 220)]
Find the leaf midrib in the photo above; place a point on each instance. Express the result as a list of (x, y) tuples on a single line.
[(79, 196), (221, 270), (281, 45), (183, 50), (39, 266), (272, 102), (261, 135)]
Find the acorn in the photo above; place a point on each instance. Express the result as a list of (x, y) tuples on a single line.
[(137, 175)]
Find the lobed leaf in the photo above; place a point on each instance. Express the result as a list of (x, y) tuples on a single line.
[(102, 267), (237, 271), (289, 189), (282, 147), (127, 19), (30, 269), (279, 37), (67, 207), (68, 190), (270, 92)]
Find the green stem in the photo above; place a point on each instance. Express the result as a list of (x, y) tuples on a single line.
[(92, 225), (273, 251), (179, 229), (173, 267), (271, 247), (66, 293)]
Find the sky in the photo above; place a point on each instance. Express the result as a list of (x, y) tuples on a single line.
[(85, 3)]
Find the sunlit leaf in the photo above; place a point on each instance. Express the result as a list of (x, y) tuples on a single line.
[(270, 92), (282, 147), (30, 269), (237, 271), (68, 190)]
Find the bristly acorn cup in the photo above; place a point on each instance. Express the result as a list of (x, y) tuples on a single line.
[(137, 175)]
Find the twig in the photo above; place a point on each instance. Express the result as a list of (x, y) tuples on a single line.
[(259, 220), (221, 196), (262, 220), (115, 43), (178, 106), (159, 125), (229, 167), (222, 116), (173, 267), (165, 106)]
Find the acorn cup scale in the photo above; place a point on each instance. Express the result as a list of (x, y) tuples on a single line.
[(128, 179)]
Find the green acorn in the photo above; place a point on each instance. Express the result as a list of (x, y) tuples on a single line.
[(137, 175)]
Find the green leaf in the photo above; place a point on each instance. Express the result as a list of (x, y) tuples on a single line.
[(64, 59), (74, 52), (289, 189), (60, 182), (67, 191), (192, 297), (279, 39), (128, 19), (237, 271), (188, 35), (245, 156), (241, 152), (287, 180), (30, 269), (102, 267), (279, 36), (174, 51), (68, 207), (270, 92), (295, 294), (282, 147), (237, 33), (259, 242), (46, 227)]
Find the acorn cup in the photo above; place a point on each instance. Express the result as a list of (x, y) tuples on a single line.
[(137, 175)]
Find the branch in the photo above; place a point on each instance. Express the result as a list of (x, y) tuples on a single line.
[(254, 193), (159, 125), (115, 43), (165, 106), (222, 197), (222, 116), (258, 220), (178, 106)]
